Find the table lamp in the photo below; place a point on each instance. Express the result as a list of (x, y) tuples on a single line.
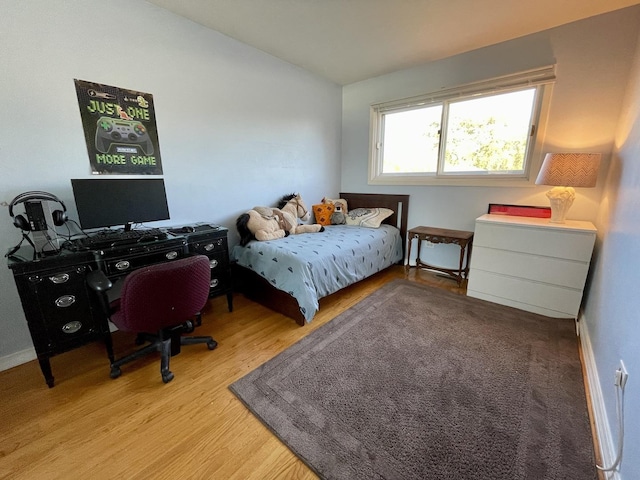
[(565, 171)]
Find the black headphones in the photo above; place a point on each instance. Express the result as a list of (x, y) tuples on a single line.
[(59, 216)]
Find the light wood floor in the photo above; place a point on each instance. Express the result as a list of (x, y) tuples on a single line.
[(136, 427)]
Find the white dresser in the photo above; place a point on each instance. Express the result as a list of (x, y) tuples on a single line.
[(531, 264)]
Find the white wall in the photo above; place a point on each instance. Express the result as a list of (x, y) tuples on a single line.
[(237, 128), (595, 107), (592, 58), (613, 304)]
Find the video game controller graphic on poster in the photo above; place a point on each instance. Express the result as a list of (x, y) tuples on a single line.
[(129, 132)]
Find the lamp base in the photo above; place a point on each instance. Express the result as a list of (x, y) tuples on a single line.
[(561, 199)]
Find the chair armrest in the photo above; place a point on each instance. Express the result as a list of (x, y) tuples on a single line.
[(98, 281)]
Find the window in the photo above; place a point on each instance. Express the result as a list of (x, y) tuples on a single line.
[(487, 130)]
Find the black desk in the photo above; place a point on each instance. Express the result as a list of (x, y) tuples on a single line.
[(61, 311)]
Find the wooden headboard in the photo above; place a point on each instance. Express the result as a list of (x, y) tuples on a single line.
[(398, 203)]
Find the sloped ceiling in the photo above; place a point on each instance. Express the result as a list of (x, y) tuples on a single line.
[(347, 41)]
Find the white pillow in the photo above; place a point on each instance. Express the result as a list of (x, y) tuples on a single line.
[(368, 217)]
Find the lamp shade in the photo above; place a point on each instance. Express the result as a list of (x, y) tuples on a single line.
[(569, 169)]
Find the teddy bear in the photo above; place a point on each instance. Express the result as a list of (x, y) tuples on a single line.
[(338, 217)]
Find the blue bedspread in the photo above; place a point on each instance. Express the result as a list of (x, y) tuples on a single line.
[(310, 266)]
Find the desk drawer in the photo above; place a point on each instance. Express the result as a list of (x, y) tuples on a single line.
[(220, 274), (127, 263), (214, 246), (209, 246), (61, 315)]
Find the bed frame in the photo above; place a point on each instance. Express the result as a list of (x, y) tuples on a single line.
[(258, 289)]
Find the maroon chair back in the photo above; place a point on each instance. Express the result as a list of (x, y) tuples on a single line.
[(163, 295)]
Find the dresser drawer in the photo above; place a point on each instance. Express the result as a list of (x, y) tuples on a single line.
[(556, 271), (531, 264), (558, 301), (566, 244)]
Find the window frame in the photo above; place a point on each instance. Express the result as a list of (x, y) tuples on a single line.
[(542, 79)]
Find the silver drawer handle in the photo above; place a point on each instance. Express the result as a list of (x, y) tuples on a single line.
[(65, 301), (59, 278), (209, 246), (213, 263), (214, 283), (72, 327), (123, 265), (171, 255)]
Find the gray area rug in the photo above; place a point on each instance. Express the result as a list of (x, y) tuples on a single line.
[(415, 382)]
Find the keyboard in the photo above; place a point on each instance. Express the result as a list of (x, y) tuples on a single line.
[(205, 227), (114, 238)]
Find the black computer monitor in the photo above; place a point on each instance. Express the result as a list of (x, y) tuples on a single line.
[(107, 202)]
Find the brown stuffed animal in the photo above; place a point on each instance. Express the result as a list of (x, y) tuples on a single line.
[(264, 223)]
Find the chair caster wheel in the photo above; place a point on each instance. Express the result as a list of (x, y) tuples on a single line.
[(115, 372), (212, 344), (167, 377)]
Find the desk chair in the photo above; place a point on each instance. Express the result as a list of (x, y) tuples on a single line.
[(158, 303)]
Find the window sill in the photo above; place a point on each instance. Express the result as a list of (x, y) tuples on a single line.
[(452, 181)]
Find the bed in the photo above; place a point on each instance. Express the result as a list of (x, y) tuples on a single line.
[(291, 274)]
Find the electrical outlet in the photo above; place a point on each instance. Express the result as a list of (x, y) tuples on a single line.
[(621, 375)]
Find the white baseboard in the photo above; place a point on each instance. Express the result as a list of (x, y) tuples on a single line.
[(28, 354), (601, 422), (17, 358)]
